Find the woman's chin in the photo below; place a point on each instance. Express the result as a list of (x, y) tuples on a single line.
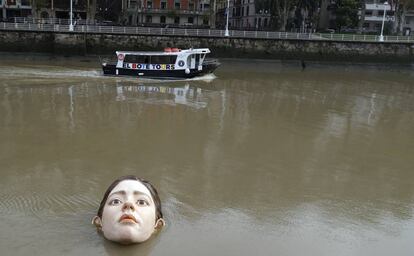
[(126, 241), (128, 237)]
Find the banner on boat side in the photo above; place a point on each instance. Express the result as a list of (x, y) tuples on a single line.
[(149, 66)]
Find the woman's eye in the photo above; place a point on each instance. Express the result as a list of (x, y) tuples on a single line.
[(115, 202), (142, 202)]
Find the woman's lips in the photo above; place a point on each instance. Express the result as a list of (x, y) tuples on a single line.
[(128, 218)]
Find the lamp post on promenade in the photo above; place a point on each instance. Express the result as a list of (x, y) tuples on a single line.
[(381, 38), (226, 33), (70, 17)]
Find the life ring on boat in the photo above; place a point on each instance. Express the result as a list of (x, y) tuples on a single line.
[(121, 57), (181, 63)]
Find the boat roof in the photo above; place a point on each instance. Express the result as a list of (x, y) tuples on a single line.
[(199, 50)]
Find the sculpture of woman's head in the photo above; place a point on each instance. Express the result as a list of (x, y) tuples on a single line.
[(130, 211)]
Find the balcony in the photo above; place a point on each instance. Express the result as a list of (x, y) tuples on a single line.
[(380, 7), (169, 11), (379, 18), (409, 13)]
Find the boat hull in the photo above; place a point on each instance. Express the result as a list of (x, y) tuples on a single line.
[(112, 70)]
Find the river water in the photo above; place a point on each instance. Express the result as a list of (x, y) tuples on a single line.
[(264, 159)]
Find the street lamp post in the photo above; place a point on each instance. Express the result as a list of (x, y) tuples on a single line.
[(226, 33), (70, 17), (381, 38)]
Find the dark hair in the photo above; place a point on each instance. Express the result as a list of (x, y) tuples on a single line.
[(152, 190)]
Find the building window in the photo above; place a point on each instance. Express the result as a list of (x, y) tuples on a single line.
[(191, 6), (190, 20), (149, 4), (148, 19), (177, 20), (380, 13), (162, 19), (205, 21), (204, 6), (368, 13), (44, 15), (177, 4), (366, 25), (247, 11), (163, 5), (132, 4)]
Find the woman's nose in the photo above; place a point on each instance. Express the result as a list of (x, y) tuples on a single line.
[(128, 206)]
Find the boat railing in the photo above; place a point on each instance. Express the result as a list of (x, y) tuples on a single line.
[(108, 60), (210, 61)]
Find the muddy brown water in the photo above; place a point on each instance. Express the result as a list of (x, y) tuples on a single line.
[(263, 159)]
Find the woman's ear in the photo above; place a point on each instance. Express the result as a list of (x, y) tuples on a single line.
[(159, 224), (97, 222)]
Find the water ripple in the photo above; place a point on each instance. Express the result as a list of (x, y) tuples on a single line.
[(36, 203)]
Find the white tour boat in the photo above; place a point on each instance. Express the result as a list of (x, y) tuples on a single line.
[(170, 63)]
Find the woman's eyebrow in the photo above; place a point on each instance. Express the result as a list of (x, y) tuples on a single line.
[(122, 192), (136, 192)]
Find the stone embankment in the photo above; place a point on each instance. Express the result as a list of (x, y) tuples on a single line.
[(106, 44)]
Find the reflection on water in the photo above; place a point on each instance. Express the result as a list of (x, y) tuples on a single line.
[(185, 95), (263, 159)]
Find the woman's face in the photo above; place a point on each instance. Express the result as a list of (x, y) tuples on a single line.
[(129, 213)]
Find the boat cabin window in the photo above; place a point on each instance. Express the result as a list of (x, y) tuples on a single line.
[(162, 59), (155, 59), (137, 59), (196, 58)]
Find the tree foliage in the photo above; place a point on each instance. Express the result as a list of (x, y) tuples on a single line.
[(401, 7), (283, 11), (347, 13)]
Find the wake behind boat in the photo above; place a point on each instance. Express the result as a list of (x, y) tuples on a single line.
[(169, 64)]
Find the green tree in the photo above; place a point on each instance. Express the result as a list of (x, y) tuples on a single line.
[(347, 14), (309, 11), (401, 7), (279, 9), (283, 11)]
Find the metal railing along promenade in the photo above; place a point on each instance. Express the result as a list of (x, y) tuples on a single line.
[(213, 33)]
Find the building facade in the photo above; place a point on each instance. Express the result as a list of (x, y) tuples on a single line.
[(243, 15), (168, 13), (15, 8), (157, 13), (374, 14), (408, 23)]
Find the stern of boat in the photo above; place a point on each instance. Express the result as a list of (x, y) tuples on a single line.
[(108, 67), (209, 65)]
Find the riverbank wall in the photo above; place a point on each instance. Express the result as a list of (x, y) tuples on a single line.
[(105, 44)]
